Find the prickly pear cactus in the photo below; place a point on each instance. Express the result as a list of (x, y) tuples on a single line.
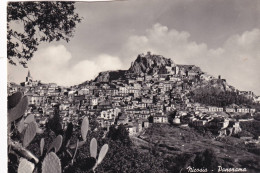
[(20, 125), (77, 144), (18, 110), (42, 146), (30, 133), (102, 153), (56, 144), (93, 148), (84, 128), (51, 164), (25, 166), (30, 118), (14, 99), (39, 130), (68, 134)]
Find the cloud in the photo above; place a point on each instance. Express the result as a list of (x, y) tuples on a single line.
[(53, 64), (240, 60), (237, 60), (170, 43)]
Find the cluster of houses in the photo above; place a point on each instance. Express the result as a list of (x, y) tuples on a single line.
[(230, 109), (218, 122), (135, 101)]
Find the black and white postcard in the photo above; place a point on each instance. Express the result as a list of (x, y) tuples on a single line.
[(134, 86)]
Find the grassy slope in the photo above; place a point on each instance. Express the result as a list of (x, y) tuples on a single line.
[(172, 141)]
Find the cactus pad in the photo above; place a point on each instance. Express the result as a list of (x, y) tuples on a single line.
[(93, 148), (14, 99), (102, 153), (30, 118), (84, 128), (18, 110), (42, 145), (30, 133), (56, 144), (51, 164), (25, 166), (20, 126), (39, 130)]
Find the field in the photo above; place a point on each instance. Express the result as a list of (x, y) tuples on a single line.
[(176, 141)]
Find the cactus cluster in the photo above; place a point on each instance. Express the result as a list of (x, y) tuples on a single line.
[(26, 129), (23, 129), (93, 152), (91, 162)]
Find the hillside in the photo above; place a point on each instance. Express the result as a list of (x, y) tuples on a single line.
[(218, 93), (180, 145), (110, 75), (200, 86)]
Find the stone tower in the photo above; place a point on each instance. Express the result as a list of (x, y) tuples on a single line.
[(29, 78)]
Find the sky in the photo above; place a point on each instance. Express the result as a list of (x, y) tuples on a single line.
[(222, 37)]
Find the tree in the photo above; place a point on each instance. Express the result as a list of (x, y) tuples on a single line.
[(120, 133), (55, 122), (38, 22)]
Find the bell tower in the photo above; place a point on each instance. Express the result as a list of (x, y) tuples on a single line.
[(29, 78)]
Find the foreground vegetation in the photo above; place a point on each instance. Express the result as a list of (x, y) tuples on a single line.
[(54, 150)]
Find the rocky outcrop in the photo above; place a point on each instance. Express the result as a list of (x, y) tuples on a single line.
[(103, 77), (150, 64), (108, 76)]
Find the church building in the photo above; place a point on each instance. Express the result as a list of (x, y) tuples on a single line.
[(29, 81)]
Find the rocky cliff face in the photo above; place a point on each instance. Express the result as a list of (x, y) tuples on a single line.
[(103, 77), (150, 64), (110, 75)]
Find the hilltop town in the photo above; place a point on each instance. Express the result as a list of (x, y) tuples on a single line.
[(153, 90)]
